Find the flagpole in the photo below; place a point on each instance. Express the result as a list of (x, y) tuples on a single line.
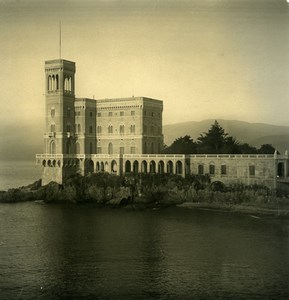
[(59, 39)]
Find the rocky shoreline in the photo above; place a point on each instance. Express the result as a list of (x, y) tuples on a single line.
[(154, 192)]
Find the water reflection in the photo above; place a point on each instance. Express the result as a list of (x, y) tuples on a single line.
[(56, 252)]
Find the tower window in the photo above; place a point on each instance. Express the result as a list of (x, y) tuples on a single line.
[(122, 113), (52, 112), (99, 114), (90, 114), (132, 113), (110, 114)]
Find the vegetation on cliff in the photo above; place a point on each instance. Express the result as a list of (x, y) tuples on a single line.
[(151, 191)]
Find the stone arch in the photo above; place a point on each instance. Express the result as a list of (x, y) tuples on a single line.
[(127, 166), (106, 166), (135, 166), (59, 163), (281, 169), (44, 163), (49, 163), (179, 167), (102, 166), (170, 167), (114, 166), (144, 167), (97, 166), (54, 163), (56, 82), (161, 167), (89, 166), (152, 166)]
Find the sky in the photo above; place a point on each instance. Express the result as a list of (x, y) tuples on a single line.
[(206, 59)]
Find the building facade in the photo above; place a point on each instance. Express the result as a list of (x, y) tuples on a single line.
[(124, 135)]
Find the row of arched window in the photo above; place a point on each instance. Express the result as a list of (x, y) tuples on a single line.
[(69, 128), (121, 129), (53, 83)]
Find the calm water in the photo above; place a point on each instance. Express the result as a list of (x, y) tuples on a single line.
[(85, 252), (18, 173)]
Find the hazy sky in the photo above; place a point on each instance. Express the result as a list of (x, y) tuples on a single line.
[(205, 58)]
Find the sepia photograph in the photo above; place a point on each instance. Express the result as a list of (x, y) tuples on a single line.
[(144, 149)]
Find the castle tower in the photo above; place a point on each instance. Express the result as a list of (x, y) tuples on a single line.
[(59, 144), (59, 106)]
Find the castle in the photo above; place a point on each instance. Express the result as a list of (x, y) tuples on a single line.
[(124, 135)]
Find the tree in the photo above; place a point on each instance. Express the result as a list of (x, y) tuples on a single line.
[(266, 149), (181, 145), (216, 141)]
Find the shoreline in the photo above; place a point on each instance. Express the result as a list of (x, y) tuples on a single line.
[(253, 210)]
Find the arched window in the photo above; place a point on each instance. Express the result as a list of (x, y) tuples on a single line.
[(53, 148), (223, 169), (121, 129), (77, 146), (52, 127), (201, 169), (212, 169), (110, 129), (110, 148), (132, 129), (56, 82)]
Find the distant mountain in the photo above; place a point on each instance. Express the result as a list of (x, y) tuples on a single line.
[(255, 134), (22, 142)]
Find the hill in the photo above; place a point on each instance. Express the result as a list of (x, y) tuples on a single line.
[(255, 134), (22, 142)]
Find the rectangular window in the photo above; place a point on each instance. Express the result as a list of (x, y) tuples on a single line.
[(252, 170), (90, 114), (152, 113), (200, 169), (223, 169), (110, 114), (52, 112), (122, 113), (99, 114), (132, 113)]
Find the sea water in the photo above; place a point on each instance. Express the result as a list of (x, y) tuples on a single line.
[(86, 252), (15, 174)]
